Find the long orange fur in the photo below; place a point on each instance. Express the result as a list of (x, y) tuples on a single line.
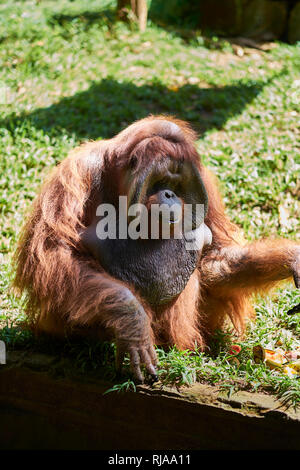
[(66, 290)]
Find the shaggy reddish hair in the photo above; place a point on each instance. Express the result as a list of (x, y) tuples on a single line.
[(67, 289)]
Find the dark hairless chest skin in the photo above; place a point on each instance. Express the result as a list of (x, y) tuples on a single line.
[(159, 269)]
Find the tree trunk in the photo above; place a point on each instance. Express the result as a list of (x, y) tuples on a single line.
[(139, 8), (141, 13)]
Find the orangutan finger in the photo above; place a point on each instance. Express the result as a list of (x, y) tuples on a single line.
[(294, 310), (147, 361), (297, 280), (153, 355), (135, 365), (120, 355), (296, 272)]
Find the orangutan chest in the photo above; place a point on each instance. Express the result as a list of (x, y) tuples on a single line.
[(159, 269)]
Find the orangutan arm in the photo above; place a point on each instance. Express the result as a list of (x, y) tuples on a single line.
[(257, 265), (101, 301)]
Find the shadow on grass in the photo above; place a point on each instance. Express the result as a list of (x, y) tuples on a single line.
[(109, 106), (180, 20), (88, 18)]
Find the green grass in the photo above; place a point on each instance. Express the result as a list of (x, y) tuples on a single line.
[(74, 73)]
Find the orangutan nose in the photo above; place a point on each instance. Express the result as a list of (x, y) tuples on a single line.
[(166, 196)]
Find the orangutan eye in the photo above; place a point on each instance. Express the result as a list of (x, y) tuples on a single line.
[(162, 183), (133, 162)]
